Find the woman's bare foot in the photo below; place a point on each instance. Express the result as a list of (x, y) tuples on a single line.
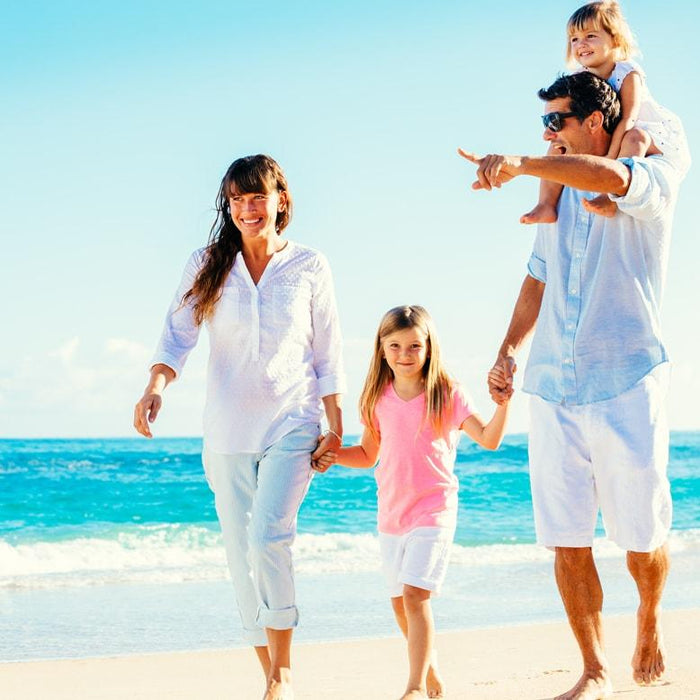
[(541, 214), (414, 694), (601, 204), (278, 690), (648, 662), (589, 687)]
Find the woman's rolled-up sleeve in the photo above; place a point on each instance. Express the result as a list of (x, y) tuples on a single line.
[(327, 341), (180, 332)]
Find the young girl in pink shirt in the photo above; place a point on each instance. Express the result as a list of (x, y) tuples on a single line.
[(413, 413)]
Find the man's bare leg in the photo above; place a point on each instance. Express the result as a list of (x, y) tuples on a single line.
[(649, 570), (279, 679), (582, 595), (433, 681)]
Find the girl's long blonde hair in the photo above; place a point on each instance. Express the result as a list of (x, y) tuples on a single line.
[(438, 384), (606, 15)]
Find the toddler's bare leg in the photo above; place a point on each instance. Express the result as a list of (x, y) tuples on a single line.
[(636, 143), (545, 212)]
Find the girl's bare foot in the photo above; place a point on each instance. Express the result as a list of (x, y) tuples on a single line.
[(602, 205), (541, 214), (434, 684)]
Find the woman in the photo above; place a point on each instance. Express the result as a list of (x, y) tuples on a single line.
[(269, 307)]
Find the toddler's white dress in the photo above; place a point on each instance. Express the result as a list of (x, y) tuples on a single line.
[(664, 127)]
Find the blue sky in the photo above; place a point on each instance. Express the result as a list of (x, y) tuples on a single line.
[(119, 120)]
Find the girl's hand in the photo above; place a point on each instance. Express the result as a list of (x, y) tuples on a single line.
[(326, 441), (146, 411), (500, 379), (324, 462)]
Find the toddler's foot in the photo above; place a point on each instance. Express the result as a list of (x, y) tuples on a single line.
[(434, 683), (541, 214), (414, 695), (602, 205)]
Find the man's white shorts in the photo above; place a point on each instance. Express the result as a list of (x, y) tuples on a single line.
[(418, 558), (610, 455)]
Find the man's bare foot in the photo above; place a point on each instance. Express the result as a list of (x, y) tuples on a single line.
[(278, 690), (648, 662), (433, 681), (602, 205), (414, 694), (589, 688), (541, 214)]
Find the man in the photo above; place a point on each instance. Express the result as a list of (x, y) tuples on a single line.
[(597, 369)]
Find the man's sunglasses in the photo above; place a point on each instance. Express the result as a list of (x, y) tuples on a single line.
[(554, 121)]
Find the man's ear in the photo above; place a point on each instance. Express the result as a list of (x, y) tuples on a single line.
[(595, 120)]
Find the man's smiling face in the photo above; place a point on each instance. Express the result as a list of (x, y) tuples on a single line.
[(574, 137)]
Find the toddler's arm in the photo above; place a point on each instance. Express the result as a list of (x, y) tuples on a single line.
[(488, 435), (630, 101), (362, 456)]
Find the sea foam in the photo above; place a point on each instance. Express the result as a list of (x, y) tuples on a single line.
[(179, 553)]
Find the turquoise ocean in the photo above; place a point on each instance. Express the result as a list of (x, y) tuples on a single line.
[(111, 547)]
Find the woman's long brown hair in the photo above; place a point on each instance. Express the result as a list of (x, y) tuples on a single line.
[(250, 174)]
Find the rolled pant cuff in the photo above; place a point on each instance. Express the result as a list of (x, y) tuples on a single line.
[(283, 619), (256, 638)]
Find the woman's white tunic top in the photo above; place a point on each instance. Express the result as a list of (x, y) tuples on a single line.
[(275, 348)]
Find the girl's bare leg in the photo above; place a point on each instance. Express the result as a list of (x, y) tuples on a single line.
[(434, 683), (415, 618)]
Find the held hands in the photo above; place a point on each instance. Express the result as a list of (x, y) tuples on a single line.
[(146, 411), (325, 454), (500, 379), (493, 170)]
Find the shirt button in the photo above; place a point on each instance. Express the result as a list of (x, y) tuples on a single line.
[(567, 361), (570, 326), (573, 291)]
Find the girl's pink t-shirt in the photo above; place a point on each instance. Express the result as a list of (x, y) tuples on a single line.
[(416, 484)]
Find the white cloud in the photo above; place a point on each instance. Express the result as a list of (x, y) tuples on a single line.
[(79, 389), (128, 348), (66, 351), (75, 389)]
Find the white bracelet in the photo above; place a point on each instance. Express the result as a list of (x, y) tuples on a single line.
[(332, 432)]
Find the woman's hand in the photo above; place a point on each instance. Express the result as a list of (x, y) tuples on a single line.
[(148, 407), (146, 411)]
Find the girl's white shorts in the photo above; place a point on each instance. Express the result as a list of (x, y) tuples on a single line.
[(609, 455), (418, 558)]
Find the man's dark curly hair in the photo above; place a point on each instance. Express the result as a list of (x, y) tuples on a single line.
[(588, 94)]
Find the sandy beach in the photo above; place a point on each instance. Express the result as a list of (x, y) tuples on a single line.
[(534, 662)]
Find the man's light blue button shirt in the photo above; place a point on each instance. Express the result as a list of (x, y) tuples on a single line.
[(598, 332)]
